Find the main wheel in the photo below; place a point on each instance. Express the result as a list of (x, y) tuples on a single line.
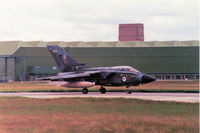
[(102, 90), (128, 92), (85, 91)]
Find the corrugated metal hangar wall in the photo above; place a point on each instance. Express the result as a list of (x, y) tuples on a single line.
[(166, 61)]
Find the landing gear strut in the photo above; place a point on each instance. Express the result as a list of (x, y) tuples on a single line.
[(85, 90), (129, 90), (102, 90)]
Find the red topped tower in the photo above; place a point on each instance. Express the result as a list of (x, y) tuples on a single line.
[(131, 32)]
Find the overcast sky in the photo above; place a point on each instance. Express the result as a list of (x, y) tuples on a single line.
[(97, 20)]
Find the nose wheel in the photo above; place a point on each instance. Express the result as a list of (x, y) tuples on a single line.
[(85, 91), (128, 90), (102, 90)]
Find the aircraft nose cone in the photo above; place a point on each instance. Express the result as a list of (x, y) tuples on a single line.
[(147, 79)]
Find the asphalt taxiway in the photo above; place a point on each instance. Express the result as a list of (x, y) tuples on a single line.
[(176, 97)]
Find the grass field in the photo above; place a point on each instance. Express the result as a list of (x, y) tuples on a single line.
[(90, 115), (158, 86)]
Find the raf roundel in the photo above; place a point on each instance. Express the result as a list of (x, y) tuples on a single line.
[(124, 79)]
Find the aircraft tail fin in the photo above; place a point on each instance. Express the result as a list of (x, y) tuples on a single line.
[(64, 61)]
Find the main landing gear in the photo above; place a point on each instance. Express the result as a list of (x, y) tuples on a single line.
[(102, 90), (128, 90), (85, 90)]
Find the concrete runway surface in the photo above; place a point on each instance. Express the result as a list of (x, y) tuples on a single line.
[(176, 97)]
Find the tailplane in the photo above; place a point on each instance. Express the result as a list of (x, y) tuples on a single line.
[(64, 61)]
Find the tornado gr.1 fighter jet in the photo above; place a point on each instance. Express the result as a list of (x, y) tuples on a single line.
[(78, 75)]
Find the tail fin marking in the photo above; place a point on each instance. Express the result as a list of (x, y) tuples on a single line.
[(64, 61)]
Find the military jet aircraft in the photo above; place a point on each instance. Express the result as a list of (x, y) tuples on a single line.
[(78, 75)]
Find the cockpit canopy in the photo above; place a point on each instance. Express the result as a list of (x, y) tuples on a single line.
[(125, 68)]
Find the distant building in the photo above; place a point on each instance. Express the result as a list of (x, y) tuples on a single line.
[(131, 32)]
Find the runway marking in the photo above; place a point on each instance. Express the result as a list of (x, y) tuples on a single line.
[(176, 97)]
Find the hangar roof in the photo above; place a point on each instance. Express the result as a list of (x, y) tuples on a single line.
[(9, 47)]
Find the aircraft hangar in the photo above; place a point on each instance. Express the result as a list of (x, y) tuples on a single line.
[(165, 60)]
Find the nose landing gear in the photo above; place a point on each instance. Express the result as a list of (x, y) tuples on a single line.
[(102, 90), (128, 90)]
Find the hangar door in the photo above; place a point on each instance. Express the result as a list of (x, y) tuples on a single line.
[(2, 68), (7, 68), (10, 65)]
